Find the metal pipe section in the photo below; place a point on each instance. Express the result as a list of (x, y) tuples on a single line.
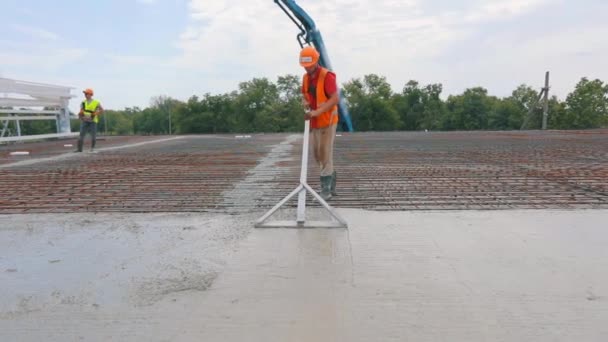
[(313, 37)]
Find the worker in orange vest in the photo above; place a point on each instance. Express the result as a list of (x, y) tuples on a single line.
[(321, 97)]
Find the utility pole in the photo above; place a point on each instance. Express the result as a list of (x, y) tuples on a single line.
[(544, 94), (546, 101)]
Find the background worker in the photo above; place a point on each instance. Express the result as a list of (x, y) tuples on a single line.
[(90, 110), (321, 98)]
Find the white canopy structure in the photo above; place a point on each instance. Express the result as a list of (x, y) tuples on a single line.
[(22, 101)]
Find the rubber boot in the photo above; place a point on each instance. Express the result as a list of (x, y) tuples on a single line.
[(326, 187), (332, 188)]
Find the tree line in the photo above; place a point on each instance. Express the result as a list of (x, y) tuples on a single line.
[(260, 105)]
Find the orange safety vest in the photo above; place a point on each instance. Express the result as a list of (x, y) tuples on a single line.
[(328, 118)]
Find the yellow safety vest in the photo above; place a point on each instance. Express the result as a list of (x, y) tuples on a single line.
[(89, 108)]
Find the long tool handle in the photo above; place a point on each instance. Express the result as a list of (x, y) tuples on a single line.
[(303, 174)]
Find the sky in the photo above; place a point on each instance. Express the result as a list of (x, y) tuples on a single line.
[(129, 51)]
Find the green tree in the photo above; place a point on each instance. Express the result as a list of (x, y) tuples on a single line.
[(469, 111), (157, 118), (355, 98), (119, 123), (191, 117), (420, 107), (289, 109), (434, 107), (31, 127), (530, 108), (505, 114), (150, 121), (557, 114), (166, 107), (260, 105), (409, 106), (253, 103), (586, 106), (371, 104)]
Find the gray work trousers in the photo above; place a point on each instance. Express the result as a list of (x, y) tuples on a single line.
[(87, 126)]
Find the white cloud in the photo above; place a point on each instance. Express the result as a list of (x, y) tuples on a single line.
[(245, 40), (393, 37), (251, 38), (502, 9), (208, 9), (137, 60), (568, 53), (36, 32), (461, 44), (400, 39), (48, 59)]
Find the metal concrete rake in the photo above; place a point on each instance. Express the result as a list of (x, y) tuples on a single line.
[(301, 190)]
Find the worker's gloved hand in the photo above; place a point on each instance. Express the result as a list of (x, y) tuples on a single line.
[(306, 105), (310, 114)]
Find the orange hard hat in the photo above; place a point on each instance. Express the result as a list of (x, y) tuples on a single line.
[(309, 56), (88, 91)]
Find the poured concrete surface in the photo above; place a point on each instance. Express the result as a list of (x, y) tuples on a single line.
[(537, 275)]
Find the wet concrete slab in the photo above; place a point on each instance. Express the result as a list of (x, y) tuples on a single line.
[(462, 276), (522, 275)]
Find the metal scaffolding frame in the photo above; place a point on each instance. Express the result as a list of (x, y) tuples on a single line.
[(26, 101)]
